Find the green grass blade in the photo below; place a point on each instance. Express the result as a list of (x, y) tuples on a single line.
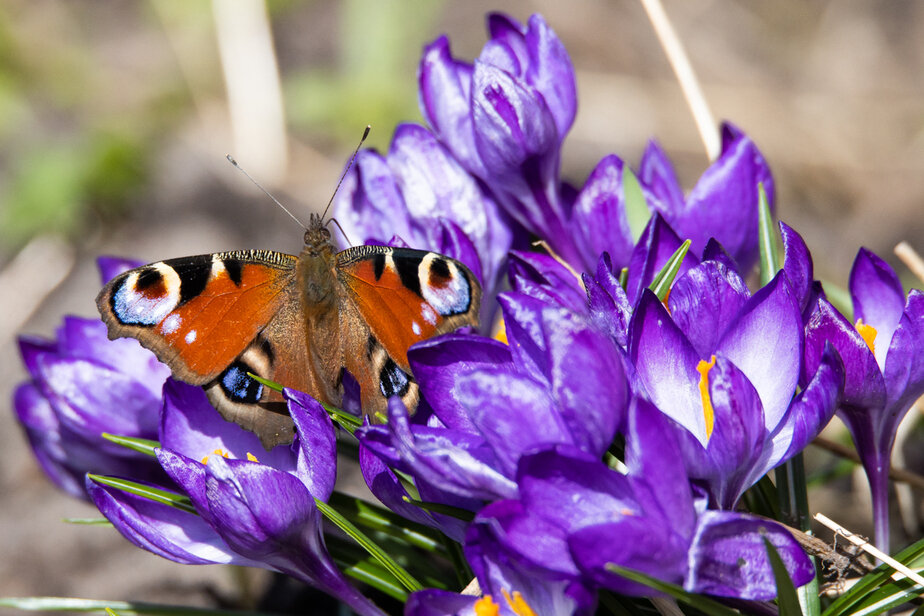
[(700, 602), (141, 445), (407, 580), (786, 597), (770, 260), (665, 278), (177, 501), (637, 212), (380, 519)]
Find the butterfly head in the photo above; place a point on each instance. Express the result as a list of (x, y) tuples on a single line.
[(317, 237)]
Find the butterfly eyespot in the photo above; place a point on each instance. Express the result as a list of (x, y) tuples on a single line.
[(393, 381), (238, 386)]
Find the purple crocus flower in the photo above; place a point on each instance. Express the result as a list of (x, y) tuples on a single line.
[(590, 516), (560, 381), (504, 118), (420, 193), (722, 205), (81, 385), (253, 510), (883, 363), (724, 366)]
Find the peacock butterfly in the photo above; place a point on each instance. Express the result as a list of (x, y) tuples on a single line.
[(299, 321)]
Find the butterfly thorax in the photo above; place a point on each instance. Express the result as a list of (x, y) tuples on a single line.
[(315, 269)]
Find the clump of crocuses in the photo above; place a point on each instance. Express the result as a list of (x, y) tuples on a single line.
[(638, 389)]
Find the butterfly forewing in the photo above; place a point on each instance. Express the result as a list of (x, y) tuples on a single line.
[(197, 314)]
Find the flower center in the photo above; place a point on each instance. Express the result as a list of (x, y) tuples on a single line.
[(868, 333), (703, 367), (225, 454), (485, 606)]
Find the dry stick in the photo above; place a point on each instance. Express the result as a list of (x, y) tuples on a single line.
[(871, 550), (680, 62), (911, 259), (895, 474)]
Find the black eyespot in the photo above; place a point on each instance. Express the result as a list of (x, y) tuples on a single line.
[(238, 386), (233, 267), (409, 271), (194, 273), (148, 278), (378, 265), (439, 270), (393, 381)]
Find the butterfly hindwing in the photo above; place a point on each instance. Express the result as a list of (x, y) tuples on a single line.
[(197, 314)]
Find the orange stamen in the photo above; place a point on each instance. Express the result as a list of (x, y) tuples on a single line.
[(703, 367), (518, 604), (486, 607), (868, 333)]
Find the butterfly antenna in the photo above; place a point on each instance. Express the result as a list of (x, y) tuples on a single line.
[(268, 194), (342, 232), (347, 170)]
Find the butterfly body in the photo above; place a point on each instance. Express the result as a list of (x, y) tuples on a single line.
[(299, 321)]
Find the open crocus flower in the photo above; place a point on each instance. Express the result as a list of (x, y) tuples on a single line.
[(255, 507), (82, 385), (883, 364), (724, 365), (590, 517), (504, 117), (420, 193), (560, 381)]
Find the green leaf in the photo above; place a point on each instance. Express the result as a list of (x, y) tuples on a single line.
[(770, 261), (876, 578), (665, 278), (69, 604), (704, 604), (887, 597), (762, 499), (141, 445), (785, 591), (88, 521), (455, 512), (637, 211), (380, 519), (177, 501), (403, 576), (266, 382)]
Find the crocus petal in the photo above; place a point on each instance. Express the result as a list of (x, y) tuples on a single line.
[(705, 301), (666, 363), (190, 476), (864, 386), (657, 244), (723, 204), (904, 365), (765, 342), (550, 71), (737, 438), (656, 171), (512, 123), (445, 89), (729, 558), (514, 413), (599, 213), (608, 303), (191, 426), (437, 364), (110, 267), (878, 298), (460, 462), (797, 263), (523, 324), (634, 542), (53, 449), (317, 464), (544, 277), (808, 414), (168, 532), (436, 602)]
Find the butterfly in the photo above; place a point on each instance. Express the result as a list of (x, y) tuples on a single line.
[(299, 321)]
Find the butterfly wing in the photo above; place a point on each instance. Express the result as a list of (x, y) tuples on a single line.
[(393, 298), (197, 314)]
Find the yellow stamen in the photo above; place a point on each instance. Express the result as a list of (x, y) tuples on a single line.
[(251, 457), (500, 331), (868, 333), (486, 607), (703, 367), (217, 452), (518, 604)]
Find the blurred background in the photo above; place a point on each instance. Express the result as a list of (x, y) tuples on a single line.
[(115, 119)]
